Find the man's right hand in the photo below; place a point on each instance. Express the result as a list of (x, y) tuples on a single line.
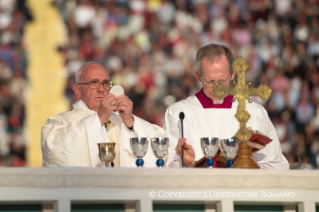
[(189, 154), (106, 108)]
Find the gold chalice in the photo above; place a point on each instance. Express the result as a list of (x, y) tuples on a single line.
[(106, 153)]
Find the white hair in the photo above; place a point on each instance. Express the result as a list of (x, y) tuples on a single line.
[(83, 68)]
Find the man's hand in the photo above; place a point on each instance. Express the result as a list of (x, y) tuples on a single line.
[(189, 154), (106, 108), (125, 108), (252, 157)]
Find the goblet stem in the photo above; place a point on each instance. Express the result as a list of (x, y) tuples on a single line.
[(210, 162), (139, 162), (229, 163), (106, 164), (160, 163)]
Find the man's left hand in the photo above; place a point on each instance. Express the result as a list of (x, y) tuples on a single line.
[(125, 108)]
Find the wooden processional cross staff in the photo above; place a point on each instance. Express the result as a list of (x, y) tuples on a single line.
[(242, 92)]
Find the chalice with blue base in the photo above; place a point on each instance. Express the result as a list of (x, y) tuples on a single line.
[(160, 147), (139, 146), (209, 147), (229, 148)]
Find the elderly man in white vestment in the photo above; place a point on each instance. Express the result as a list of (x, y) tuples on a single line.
[(70, 138), (208, 116)]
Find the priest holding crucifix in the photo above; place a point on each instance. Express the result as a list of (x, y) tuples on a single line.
[(207, 115)]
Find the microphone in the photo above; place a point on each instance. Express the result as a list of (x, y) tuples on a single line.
[(181, 117)]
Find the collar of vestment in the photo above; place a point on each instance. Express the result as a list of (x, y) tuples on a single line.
[(81, 105), (208, 103)]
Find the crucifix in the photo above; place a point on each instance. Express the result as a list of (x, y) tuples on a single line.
[(241, 91)]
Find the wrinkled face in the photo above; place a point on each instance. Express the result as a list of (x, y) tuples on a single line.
[(92, 97), (214, 72)]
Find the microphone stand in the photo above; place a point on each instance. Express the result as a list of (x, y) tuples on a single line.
[(182, 116)]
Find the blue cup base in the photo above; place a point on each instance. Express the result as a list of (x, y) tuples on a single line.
[(229, 163), (160, 163), (139, 162), (210, 162)]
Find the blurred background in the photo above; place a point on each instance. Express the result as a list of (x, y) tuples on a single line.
[(149, 48)]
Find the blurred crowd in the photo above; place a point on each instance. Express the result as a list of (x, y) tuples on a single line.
[(13, 81), (149, 48)]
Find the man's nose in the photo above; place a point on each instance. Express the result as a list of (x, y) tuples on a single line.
[(100, 88)]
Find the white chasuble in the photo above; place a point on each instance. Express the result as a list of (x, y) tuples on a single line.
[(70, 138), (113, 135)]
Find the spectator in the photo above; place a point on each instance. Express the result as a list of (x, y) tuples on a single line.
[(13, 64)]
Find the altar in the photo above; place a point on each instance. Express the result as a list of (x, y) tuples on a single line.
[(145, 190)]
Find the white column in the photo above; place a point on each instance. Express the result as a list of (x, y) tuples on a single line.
[(225, 206), (144, 206), (62, 205), (307, 207)]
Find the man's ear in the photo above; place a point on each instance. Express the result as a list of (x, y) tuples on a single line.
[(233, 74), (197, 75), (76, 90)]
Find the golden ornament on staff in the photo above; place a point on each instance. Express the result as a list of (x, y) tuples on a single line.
[(241, 91)]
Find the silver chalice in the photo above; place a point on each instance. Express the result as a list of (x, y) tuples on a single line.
[(160, 147), (139, 146), (210, 147), (229, 148)]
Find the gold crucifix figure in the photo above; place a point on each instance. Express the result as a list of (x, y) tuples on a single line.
[(241, 91)]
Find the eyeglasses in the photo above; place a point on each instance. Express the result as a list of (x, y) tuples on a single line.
[(107, 85), (213, 83)]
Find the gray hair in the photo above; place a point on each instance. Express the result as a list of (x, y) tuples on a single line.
[(83, 68), (213, 52)]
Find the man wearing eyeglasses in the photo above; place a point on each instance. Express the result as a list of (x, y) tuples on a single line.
[(71, 138), (208, 116)]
